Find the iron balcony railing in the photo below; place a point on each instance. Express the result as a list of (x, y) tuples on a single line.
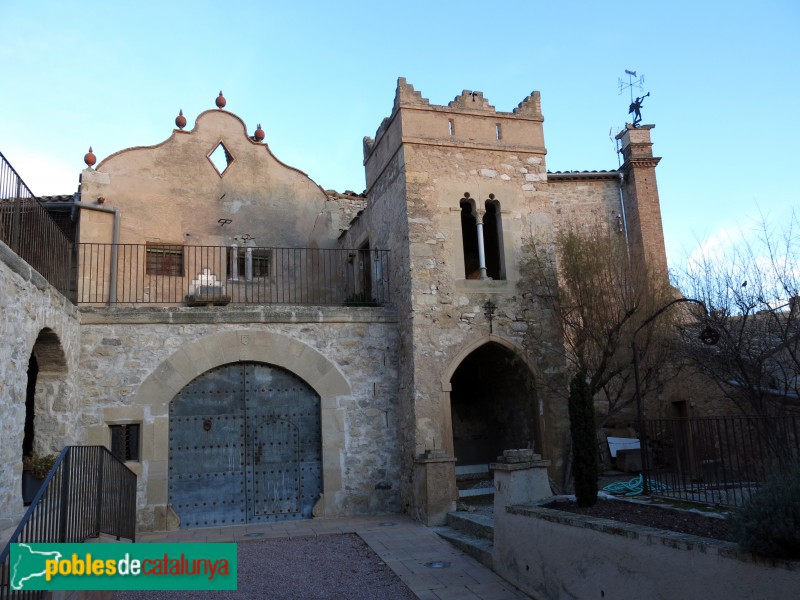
[(88, 492), (718, 460), (133, 274), (28, 229)]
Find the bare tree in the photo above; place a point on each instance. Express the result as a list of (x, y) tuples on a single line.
[(597, 297), (753, 296)]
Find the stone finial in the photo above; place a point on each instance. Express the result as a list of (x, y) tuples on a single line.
[(221, 102), (180, 120), (89, 158), (471, 101), (259, 134), (530, 106), (406, 94)]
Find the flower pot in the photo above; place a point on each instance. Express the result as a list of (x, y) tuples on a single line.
[(30, 487)]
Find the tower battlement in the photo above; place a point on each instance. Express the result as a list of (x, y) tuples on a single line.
[(469, 120)]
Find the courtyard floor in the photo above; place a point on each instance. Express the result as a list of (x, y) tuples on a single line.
[(430, 567)]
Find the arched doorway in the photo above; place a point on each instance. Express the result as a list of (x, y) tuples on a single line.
[(493, 405), (245, 445), (45, 395)]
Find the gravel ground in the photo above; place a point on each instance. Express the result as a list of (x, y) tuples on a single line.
[(682, 521), (334, 567)]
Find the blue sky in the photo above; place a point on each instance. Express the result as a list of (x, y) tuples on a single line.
[(723, 77)]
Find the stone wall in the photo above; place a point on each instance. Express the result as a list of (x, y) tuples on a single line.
[(134, 361), (32, 310), (551, 554)]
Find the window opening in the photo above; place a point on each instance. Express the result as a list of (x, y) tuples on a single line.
[(493, 240), (164, 259), (452, 126), (257, 257), (125, 441), (469, 236), (221, 158), (498, 132)]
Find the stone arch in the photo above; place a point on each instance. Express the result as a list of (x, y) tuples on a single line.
[(504, 347), (184, 365), (46, 401)]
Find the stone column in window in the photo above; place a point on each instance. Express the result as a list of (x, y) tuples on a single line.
[(479, 212)]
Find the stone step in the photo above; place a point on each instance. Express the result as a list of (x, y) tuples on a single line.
[(478, 548), (488, 491), (472, 471), (473, 524)]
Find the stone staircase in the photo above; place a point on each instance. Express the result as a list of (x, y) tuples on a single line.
[(472, 533)]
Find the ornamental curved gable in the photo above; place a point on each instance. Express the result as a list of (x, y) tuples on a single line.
[(173, 192)]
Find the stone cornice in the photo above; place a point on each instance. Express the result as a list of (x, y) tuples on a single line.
[(474, 145), (234, 314)]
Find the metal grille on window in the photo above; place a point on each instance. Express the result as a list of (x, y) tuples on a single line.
[(164, 259), (125, 441)]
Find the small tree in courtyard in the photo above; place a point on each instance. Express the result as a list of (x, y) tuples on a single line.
[(584, 440)]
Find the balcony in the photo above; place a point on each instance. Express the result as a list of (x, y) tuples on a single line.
[(173, 274)]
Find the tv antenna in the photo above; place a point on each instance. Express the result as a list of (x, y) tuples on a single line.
[(634, 81)]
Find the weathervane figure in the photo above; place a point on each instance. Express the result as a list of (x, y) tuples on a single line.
[(636, 108)]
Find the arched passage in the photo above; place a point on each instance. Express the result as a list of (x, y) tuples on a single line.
[(492, 405), (45, 395)]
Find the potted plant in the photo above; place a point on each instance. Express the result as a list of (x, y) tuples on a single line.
[(35, 468)]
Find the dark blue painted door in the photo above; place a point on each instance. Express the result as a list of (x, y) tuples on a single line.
[(244, 446)]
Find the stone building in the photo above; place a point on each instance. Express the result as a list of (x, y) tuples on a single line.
[(262, 349)]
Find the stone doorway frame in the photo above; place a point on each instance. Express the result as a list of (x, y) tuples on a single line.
[(447, 387), (173, 374)]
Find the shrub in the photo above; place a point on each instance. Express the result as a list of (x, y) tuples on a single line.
[(39, 465), (769, 523), (584, 440)]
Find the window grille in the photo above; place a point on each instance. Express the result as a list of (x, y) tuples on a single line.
[(125, 441)]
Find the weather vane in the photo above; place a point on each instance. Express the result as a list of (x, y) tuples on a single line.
[(635, 107)]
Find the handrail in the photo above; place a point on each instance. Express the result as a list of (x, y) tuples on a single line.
[(88, 492), (30, 231)]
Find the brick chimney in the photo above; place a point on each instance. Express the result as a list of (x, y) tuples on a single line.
[(640, 193)]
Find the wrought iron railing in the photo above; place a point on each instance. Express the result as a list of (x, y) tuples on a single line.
[(88, 492), (28, 229), (718, 460), (132, 274)]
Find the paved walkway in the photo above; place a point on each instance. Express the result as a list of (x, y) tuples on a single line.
[(404, 545)]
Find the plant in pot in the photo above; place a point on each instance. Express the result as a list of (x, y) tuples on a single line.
[(35, 468)]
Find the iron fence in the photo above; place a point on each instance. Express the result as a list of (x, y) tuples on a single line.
[(87, 492), (28, 229), (133, 274), (718, 460)]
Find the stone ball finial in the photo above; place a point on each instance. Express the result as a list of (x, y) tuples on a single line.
[(89, 158), (259, 134), (180, 120), (221, 102)]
